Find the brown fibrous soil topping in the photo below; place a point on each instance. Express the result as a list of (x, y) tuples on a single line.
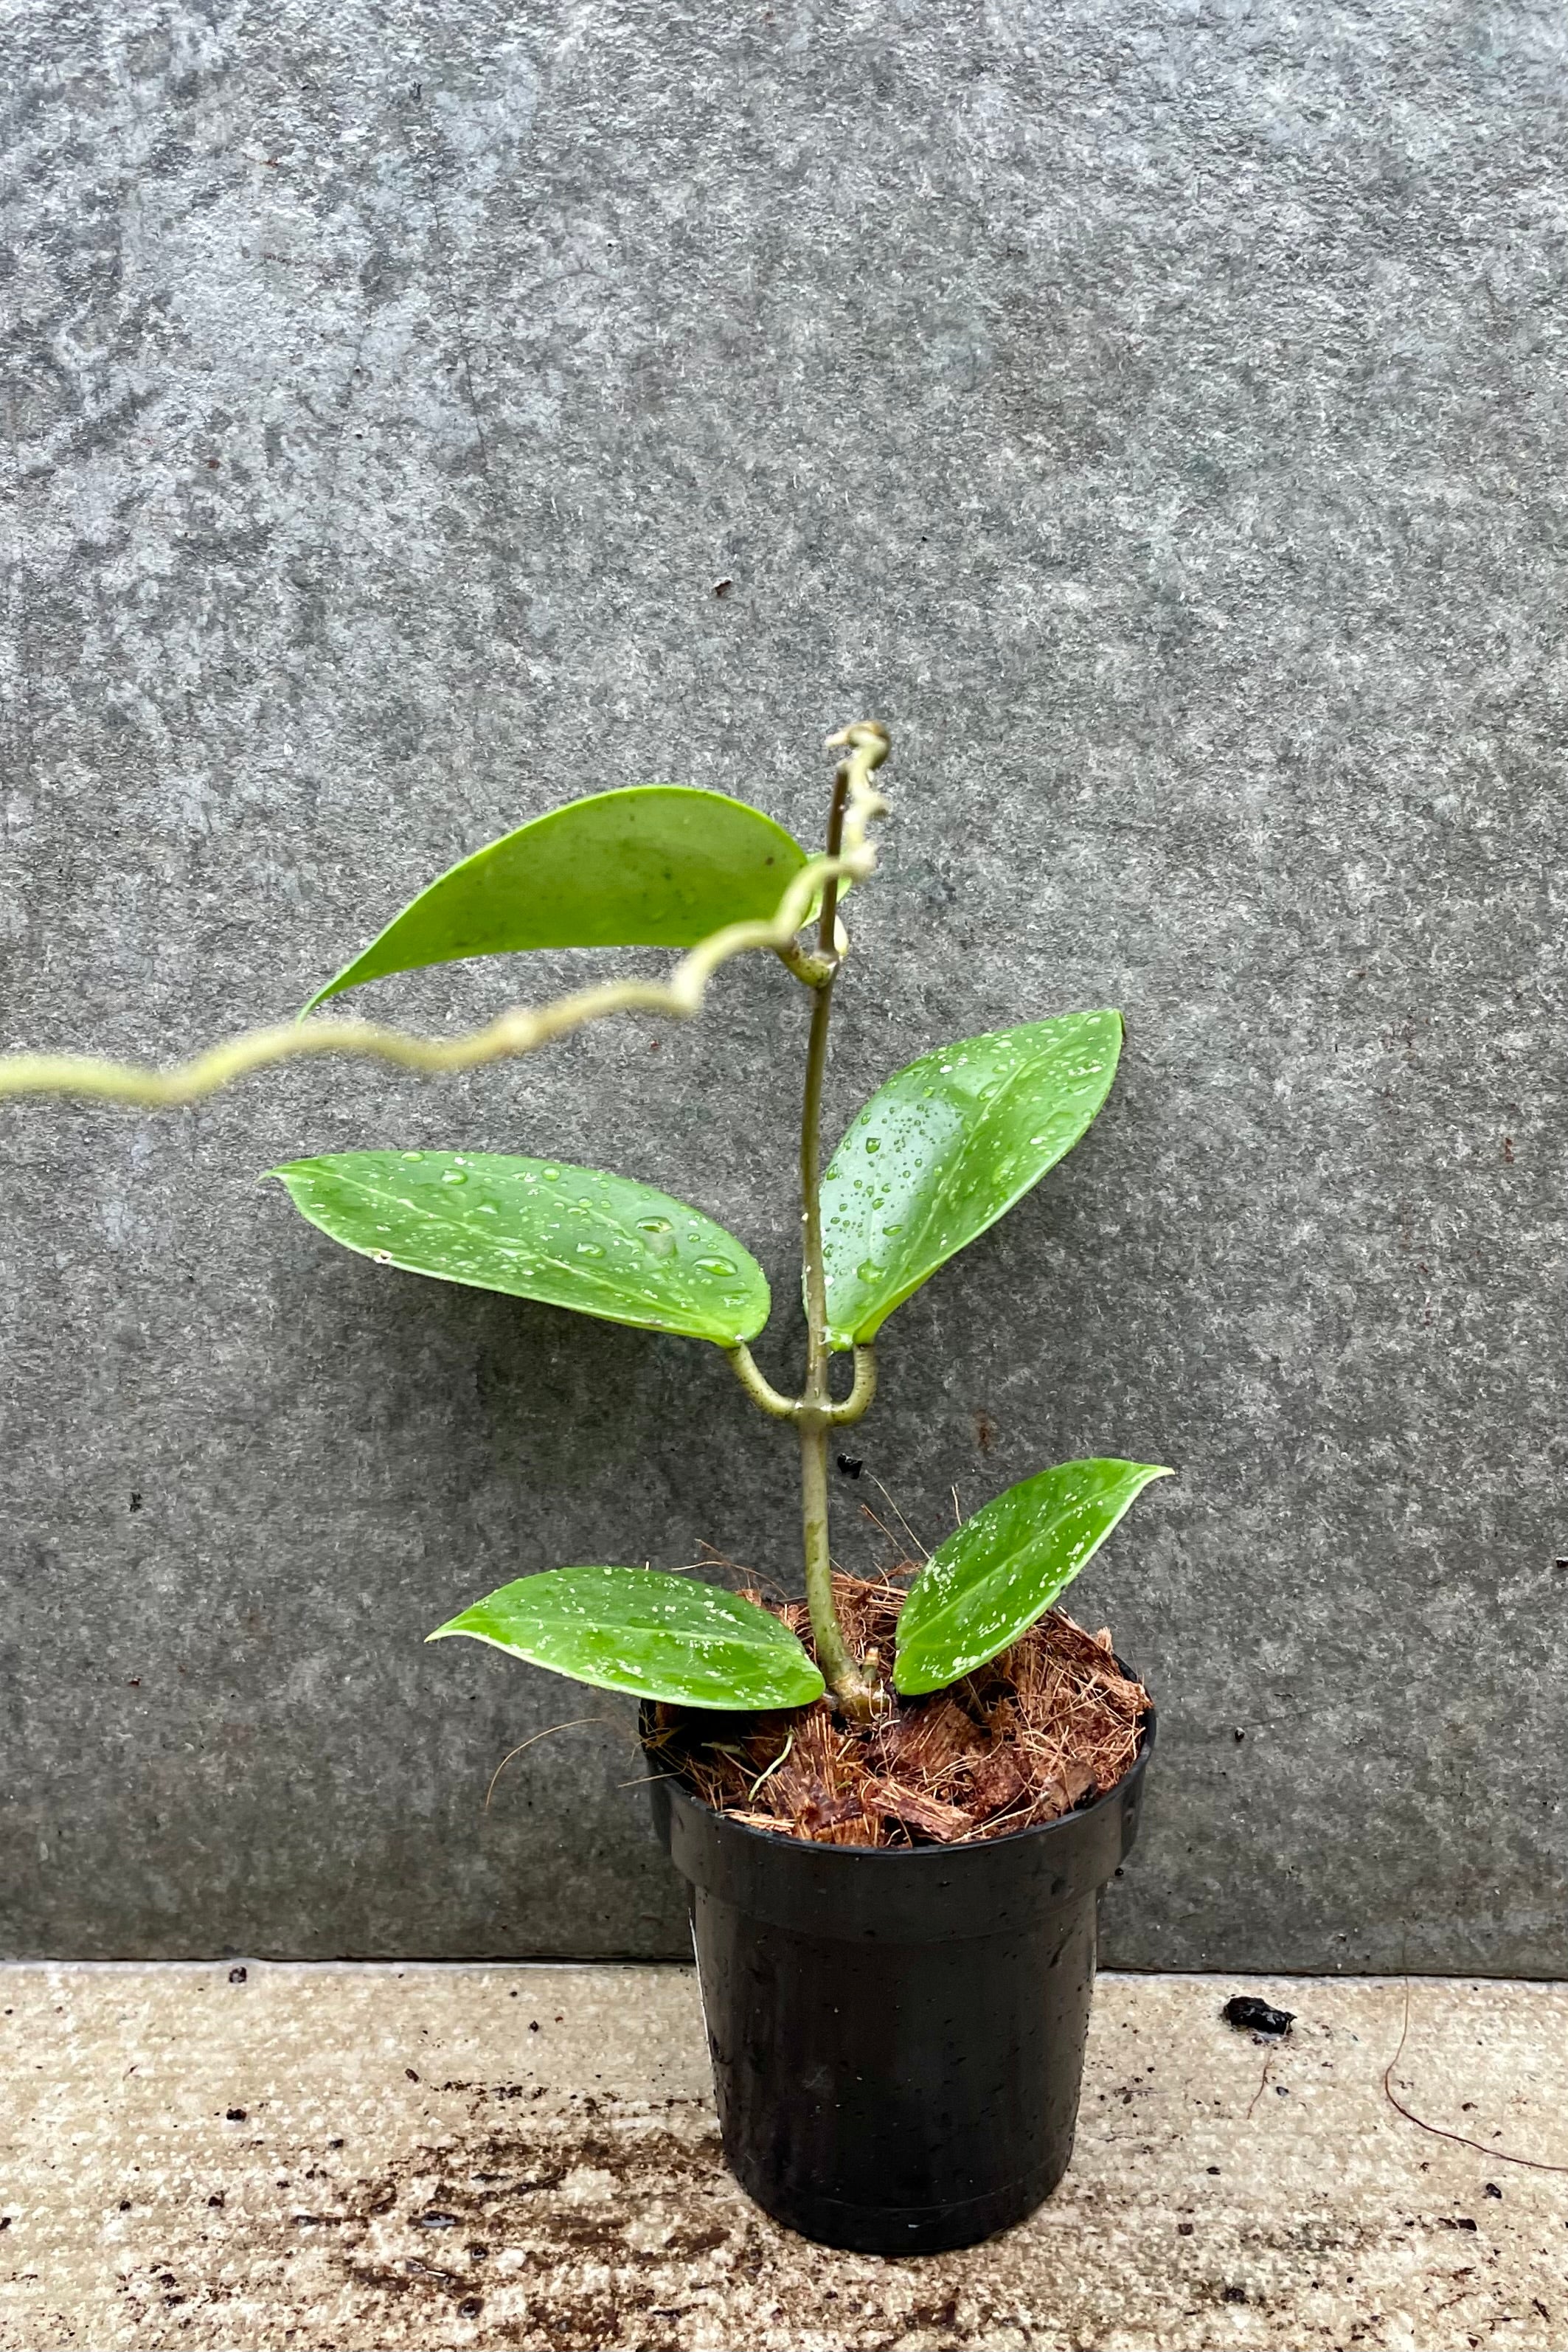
[(1050, 1725)]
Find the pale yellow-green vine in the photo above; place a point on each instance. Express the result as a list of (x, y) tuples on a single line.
[(522, 1029)]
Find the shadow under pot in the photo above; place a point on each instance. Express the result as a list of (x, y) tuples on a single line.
[(897, 2034)]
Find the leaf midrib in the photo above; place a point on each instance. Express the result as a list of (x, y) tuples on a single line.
[(764, 1643), (777, 1638), (498, 1240)]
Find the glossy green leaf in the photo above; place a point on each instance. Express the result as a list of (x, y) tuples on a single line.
[(634, 1629), (655, 865), (946, 1148), (538, 1229), (1006, 1565)]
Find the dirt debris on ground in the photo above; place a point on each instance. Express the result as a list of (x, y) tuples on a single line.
[(409, 2159), (1051, 1724)]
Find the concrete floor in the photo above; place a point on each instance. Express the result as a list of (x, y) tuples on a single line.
[(390, 2157)]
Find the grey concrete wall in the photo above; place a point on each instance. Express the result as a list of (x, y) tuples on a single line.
[(1156, 414)]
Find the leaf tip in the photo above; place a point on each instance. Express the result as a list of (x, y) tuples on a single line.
[(453, 1625), (333, 987)]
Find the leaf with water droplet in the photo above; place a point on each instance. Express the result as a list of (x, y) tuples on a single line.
[(608, 1248), (1004, 1567), (967, 1130), (638, 1630)]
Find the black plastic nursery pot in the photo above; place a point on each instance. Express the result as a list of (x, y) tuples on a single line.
[(897, 2034)]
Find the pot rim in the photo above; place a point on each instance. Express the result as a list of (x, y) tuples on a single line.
[(773, 1840)]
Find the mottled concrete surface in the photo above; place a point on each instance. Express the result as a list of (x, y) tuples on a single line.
[(330, 2157), (1156, 414)]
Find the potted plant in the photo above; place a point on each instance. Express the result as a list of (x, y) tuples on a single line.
[(893, 1848)]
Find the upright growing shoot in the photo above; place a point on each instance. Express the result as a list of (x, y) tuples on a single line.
[(936, 1157)]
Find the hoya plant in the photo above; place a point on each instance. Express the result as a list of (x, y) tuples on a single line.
[(943, 1149)]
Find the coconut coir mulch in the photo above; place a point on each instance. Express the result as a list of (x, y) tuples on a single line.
[(1049, 1725)]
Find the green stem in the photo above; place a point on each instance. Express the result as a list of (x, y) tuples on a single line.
[(758, 1386), (761, 1391), (857, 1403), (840, 1669), (810, 969), (854, 803)]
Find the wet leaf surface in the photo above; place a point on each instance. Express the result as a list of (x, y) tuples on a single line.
[(577, 1237), (946, 1148), (637, 1629), (1006, 1566)]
